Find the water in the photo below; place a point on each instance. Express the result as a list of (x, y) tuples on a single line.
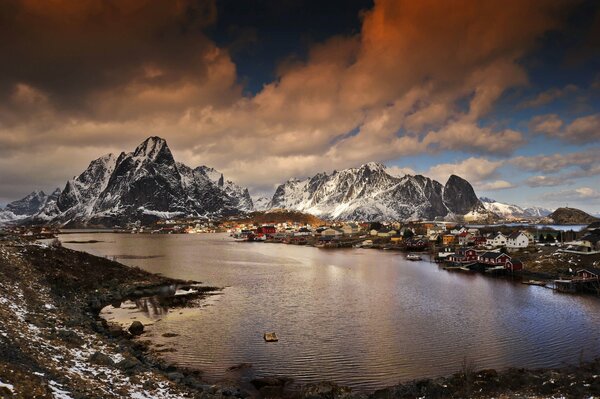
[(360, 317), (559, 227)]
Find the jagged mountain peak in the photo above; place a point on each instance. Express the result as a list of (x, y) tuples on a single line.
[(151, 147), (369, 192), (143, 185)]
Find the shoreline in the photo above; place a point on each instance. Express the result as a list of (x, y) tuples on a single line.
[(54, 341)]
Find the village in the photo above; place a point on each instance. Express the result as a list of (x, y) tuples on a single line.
[(567, 261)]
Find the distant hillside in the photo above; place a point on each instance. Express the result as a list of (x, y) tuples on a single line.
[(571, 216), (281, 216)]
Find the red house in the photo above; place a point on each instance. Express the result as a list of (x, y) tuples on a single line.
[(514, 265), (589, 274), (493, 259), (464, 256), (266, 230)]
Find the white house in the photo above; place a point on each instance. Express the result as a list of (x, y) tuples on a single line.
[(498, 240), (517, 240)]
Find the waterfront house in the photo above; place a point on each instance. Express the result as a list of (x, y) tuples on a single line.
[(331, 233), (493, 259), (590, 273), (517, 240), (303, 231), (266, 230), (513, 265), (463, 255)]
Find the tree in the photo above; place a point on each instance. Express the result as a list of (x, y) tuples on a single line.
[(375, 226), (407, 234), (542, 239), (550, 238)]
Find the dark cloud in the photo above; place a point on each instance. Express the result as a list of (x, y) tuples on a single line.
[(71, 49)]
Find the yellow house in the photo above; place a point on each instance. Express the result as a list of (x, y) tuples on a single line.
[(448, 239)]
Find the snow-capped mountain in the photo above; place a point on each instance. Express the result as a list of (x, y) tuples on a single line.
[(511, 211), (261, 203), (370, 193), (143, 185), (27, 206)]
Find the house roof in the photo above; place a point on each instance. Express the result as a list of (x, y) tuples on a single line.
[(593, 238), (514, 235), (493, 255), (593, 270)]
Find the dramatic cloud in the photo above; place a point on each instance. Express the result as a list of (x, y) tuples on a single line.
[(572, 165), (417, 78), (581, 194), (585, 129), (549, 96), (480, 172)]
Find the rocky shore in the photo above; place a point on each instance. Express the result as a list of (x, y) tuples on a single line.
[(53, 344)]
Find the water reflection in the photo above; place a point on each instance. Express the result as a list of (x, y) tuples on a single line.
[(364, 318)]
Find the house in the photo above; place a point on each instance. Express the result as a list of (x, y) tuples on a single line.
[(590, 273), (373, 232), (479, 240), (463, 238), (386, 233), (591, 241), (331, 233), (493, 259), (448, 239), (517, 240), (463, 255), (303, 231), (266, 230), (498, 240), (513, 265)]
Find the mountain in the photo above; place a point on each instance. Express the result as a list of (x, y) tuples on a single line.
[(28, 206), (261, 203), (370, 193), (144, 185), (511, 211), (537, 212), (571, 216)]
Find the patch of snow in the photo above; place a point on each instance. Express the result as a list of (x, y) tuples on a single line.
[(10, 387)]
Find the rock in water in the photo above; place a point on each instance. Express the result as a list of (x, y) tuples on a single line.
[(136, 328)]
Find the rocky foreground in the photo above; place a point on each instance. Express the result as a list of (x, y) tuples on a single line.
[(54, 345)]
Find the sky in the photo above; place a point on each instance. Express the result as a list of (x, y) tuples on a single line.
[(505, 94)]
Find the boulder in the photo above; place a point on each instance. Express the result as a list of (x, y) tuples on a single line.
[(136, 328), (101, 359)]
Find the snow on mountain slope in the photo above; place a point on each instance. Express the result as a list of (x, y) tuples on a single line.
[(511, 211), (143, 185), (370, 193)]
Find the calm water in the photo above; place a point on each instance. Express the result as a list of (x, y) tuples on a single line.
[(360, 317)]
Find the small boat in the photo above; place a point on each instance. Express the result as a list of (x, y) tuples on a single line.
[(535, 282), (271, 337), (413, 257)]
